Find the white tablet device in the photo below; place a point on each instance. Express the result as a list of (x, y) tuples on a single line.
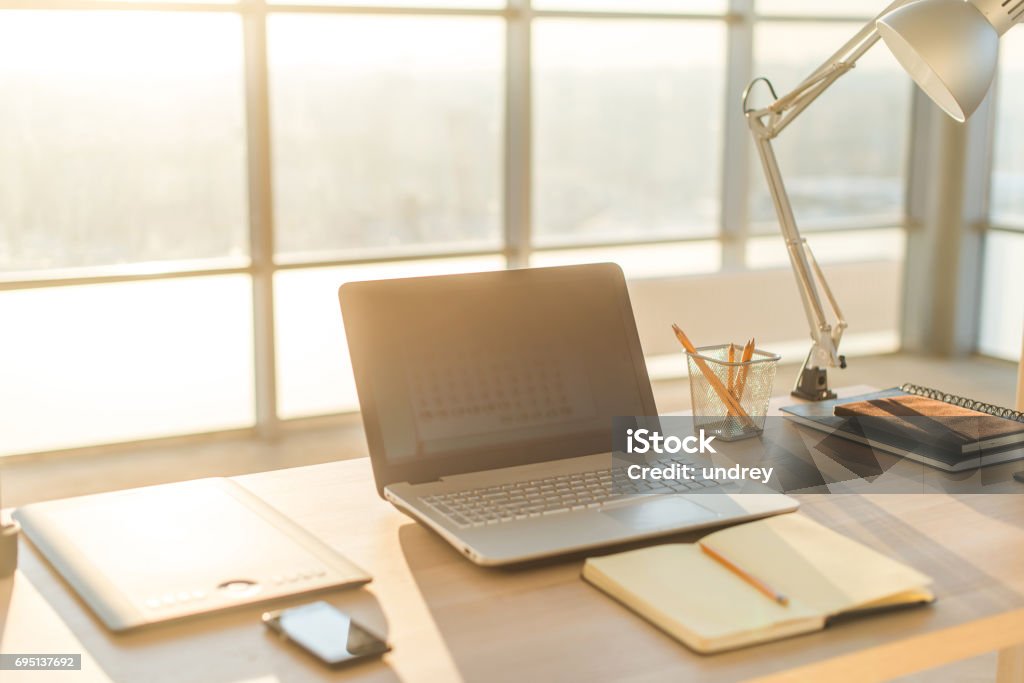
[(167, 552)]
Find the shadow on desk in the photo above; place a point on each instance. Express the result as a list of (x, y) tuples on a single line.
[(523, 623), (6, 589), (217, 648)]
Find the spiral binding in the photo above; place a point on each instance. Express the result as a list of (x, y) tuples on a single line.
[(963, 402)]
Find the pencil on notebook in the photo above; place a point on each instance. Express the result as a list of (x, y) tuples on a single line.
[(723, 393), (757, 583)]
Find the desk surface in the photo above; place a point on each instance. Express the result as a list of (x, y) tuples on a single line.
[(448, 619)]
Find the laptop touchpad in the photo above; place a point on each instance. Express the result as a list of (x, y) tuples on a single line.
[(662, 512)]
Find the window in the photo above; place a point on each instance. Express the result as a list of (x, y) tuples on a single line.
[(119, 147), (387, 133), (183, 189), (627, 129), (832, 8), (116, 144), (124, 361), (314, 375), (845, 160), (1008, 174), (710, 7), (1002, 313)]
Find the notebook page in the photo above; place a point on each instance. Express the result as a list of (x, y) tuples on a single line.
[(678, 585), (807, 561)]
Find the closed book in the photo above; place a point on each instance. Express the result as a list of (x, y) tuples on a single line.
[(699, 601), (934, 423), (954, 442)]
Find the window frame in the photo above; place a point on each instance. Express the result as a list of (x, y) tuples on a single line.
[(993, 223), (732, 232)]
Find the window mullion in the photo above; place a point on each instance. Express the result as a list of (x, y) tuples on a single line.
[(734, 219), (518, 162), (261, 215)]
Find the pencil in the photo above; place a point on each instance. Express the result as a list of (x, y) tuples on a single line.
[(728, 399), (757, 583), (732, 369), (748, 354)]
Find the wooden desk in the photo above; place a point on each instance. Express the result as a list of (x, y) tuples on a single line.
[(450, 620)]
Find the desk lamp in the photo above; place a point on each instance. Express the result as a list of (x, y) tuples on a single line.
[(951, 49)]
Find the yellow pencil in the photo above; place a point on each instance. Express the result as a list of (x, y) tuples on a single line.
[(748, 354), (728, 399), (757, 583), (732, 370)]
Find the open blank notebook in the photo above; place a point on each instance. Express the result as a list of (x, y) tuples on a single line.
[(697, 600), (166, 552)]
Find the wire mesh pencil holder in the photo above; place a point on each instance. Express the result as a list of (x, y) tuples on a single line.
[(749, 383)]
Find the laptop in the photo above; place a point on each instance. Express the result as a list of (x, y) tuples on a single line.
[(488, 399)]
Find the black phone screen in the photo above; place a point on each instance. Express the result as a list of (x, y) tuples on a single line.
[(326, 632)]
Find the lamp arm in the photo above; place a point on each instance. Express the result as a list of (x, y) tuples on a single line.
[(824, 352), (765, 124), (784, 109)]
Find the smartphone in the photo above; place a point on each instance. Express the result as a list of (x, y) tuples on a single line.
[(326, 633)]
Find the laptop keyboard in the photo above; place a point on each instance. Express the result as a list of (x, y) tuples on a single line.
[(551, 495)]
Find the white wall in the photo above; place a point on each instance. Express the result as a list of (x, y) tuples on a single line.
[(734, 306)]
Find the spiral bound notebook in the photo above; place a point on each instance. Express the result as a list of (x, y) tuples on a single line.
[(963, 402), (921, 438)]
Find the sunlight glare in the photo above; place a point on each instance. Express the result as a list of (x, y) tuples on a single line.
[(99, 45)]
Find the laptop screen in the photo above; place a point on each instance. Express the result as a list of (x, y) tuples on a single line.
[(468, 366)]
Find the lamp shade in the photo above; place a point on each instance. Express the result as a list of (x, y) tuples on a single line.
[(948, 47)]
